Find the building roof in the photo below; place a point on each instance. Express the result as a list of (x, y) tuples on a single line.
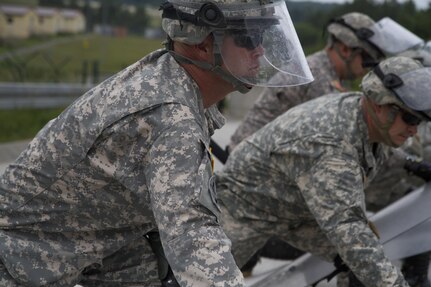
[(14, 10), (70, 13), (45, 11)]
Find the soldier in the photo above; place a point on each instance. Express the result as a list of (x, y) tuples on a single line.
[(130, 158), (393, 181), (355, 41), (302, 176), (342, 59)]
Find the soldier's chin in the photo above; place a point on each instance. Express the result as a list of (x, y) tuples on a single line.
[(247, 80)]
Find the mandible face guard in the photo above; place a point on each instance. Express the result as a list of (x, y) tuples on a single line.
[(392, 38), (261, 44)]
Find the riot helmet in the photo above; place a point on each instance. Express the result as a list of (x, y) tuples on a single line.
[(421, 54), (379, 39), (251, 24), (392, 38), (353, 30), (403, 82)]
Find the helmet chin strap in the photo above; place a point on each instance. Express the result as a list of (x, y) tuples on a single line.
[(218, 62), (384, 127), (347, 62)]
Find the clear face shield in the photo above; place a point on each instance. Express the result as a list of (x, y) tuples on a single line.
[(414, 90), (392, 38), (428, 46), (262, 48)]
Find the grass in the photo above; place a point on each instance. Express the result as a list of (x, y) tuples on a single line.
[(20, 124), (7, 45), (65, 62)]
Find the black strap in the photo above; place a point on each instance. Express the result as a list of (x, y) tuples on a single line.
[(170, 12), (153, 238), (362, 33), (390, 81), (208, 15), (166, 275), (218, 151), (340, 266)]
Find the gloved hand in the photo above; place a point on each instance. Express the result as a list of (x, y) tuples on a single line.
[(421, 169)]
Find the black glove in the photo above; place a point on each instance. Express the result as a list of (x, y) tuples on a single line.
[(415, 270), (353, 281), (421, 169)]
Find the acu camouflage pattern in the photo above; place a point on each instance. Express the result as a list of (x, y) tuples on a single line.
[(186, 32), (392, 181), (424, 133), (274, 101), (128, 157), (374, 88), (348, 37), (302, 179)]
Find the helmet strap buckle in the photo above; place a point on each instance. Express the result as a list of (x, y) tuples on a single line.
[(211, 15), (390, 81)]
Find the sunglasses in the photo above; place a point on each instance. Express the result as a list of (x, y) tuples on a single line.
[(246, 38), (367, 60), (407, 117)]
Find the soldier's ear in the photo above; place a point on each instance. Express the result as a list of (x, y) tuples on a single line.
[(206, 47), (371, 107), (380, 108), (344, 50), (376, 108)]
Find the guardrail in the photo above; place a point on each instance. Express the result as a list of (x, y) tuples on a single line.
[(40, 95), (51, 95)]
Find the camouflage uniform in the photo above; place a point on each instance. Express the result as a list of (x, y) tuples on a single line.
[(393, 181), (128, 157), (424, 132), (275, 101), (302, 179)]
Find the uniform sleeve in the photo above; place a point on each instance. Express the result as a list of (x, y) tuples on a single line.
[(333, 191), (271, 103), (185, 208)]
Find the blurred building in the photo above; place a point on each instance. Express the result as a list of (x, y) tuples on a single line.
[(21, 22), (48, 21), (71, 21), (17, 22)]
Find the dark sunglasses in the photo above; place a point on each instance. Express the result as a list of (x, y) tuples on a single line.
[(246, 38), (367, 60), (407, 117)]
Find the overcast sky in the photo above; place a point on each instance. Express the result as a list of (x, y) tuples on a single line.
[(421, 4)]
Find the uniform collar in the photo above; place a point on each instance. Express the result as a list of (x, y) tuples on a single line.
[(372, 152), (214, 118)]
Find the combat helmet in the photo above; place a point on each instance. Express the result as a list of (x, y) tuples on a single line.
[(379, 39), (353, 30), (423, 55), (251, 23), (401, 81)]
